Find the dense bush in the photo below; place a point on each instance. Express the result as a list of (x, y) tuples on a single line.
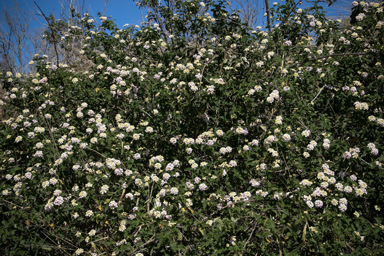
[(196, 135)]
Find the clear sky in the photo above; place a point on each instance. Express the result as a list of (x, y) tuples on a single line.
[(126, 11), (122, 11)]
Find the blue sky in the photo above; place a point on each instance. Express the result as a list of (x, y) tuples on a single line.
[(126, 11), (122, 11)]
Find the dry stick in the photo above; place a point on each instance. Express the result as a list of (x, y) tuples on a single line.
[(9, 102), (343, 54), (202, 71), (150, 240), (317, 95), (96, 152), (57, 245), (365, 161), (49, 24), (336, 54), (122, 194), (64, 239), (101, 239), (50, 133), (12, 203), (150, 197), (249, 238), (139, 228), (285, 213)]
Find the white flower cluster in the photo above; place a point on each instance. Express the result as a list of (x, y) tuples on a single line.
[(273, 96)]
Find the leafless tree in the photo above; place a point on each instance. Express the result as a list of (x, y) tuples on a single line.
[(62, 28), (250, 10), (16, 46)]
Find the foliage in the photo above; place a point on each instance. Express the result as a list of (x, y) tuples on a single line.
[(206, 139)]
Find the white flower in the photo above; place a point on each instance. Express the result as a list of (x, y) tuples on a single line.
[(347, 155), (348, 189), (306, 133), (174, 191), (310, 204), (59, 200), (342, 207), (233, 163), (113, 204), (82, 194), (375, 151), (286, 137), (104, 189), (319, 203), (79, 251), (310, 147), (343, 201), (202, 187)]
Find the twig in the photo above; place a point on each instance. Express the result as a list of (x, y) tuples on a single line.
[(49, 25), (101, 239), (342, 54), (249, 238), (50, 132), (150, 240), (13, 204), (206, 64), (317, 95), (365, 161), (9, 102), (96, 152), (268, 16), (57, 245), (139, 228), (333, 55)]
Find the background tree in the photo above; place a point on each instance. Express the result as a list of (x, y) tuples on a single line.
[(250, 11), (16, 37)]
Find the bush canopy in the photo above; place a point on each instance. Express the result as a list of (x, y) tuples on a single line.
[(194, 134)]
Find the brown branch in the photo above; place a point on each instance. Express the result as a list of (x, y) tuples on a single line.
[(49, 25), (333, 55), (9, 102), (249, 238), (342, 54), (268, 16)]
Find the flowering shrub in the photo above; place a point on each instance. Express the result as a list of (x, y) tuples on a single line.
[(204, 139)]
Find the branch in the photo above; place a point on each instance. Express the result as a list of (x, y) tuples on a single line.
[(249, 238), (268, 16), (317, 94), (9, 102), (333, 55), (49, 25)]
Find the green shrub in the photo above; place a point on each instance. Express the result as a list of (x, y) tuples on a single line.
[(204, 139)]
